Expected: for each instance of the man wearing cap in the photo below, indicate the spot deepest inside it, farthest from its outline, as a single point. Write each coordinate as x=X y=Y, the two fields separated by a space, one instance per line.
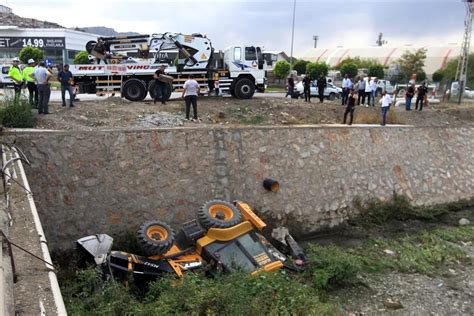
x=15 y=74
x=30 y=83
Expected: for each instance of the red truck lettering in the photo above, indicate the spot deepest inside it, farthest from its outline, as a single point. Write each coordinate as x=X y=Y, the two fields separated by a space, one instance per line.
x=135 y=67
x=91 y=67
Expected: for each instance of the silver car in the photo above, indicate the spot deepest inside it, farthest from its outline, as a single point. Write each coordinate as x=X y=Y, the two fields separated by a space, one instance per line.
x=331 y=91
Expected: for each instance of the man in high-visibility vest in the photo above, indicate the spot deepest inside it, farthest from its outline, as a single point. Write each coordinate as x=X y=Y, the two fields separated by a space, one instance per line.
x=30 y=83
x=15 y=74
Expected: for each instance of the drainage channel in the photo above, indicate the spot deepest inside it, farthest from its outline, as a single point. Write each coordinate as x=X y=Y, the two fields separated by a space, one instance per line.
x=29 y=282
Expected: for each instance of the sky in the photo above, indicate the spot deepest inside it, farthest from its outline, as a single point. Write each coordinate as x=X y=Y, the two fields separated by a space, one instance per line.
x=267 y=23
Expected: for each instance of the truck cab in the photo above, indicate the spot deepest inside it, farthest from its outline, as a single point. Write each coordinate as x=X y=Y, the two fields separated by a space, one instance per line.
x=246 y=64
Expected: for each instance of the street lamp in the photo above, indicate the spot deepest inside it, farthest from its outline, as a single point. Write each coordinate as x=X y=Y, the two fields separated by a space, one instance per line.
x=292 y=35
x=315 y=39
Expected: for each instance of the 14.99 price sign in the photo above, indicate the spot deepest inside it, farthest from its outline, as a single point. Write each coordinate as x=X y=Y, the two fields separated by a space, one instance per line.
x=39 y=42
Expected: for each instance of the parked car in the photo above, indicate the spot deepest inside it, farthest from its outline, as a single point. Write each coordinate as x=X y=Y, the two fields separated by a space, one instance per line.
x=5 y=80
x=331 y=92
x=468 y=93
x=399 y=99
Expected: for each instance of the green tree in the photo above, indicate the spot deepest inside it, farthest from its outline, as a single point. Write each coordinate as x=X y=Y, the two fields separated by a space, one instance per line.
x=438 y=75
x=361 y=63
x=420 y=76
x=315 y=69
x=300 y=66
x=29 y=52
x=81 y=58
x=349 y=69
x=282 y=69
x=412 y=63
x=376 y=70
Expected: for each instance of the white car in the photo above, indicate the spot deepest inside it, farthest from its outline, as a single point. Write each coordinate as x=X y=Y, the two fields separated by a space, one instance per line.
x=331 y=92
x=5 y=80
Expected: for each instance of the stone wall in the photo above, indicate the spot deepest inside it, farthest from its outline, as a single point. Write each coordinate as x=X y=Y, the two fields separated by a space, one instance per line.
x=111 y=181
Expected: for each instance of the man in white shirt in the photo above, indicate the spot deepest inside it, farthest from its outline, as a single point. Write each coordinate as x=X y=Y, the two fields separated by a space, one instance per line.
x=345 y=89
x=190 y=92
x=42 y=77
x=386 y=101
x=373 y=88
x=368 y=91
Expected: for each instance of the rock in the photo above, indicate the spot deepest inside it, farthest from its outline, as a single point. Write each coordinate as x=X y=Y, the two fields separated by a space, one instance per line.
x=464 y=222
x=389 y=252
x=389 y=303
x=221 y=115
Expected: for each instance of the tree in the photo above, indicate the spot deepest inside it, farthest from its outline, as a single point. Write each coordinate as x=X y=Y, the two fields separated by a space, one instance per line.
x=376 y=70
x=438 y=75
x=29 y=52
x=282 y=69
x=300 y=66
x=361 y=63
x=315 y=69
x=81 y=58
x=412 y=63
x=349 y=69
x=420 y=76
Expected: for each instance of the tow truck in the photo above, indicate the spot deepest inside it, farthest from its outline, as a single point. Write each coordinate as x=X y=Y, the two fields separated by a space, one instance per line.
x=225 y=237
x=126 y=65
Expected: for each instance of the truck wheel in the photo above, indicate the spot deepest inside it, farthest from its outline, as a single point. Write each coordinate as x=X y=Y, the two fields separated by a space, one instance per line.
x=151 y=90
x=244 y=88
x=218 y=214
x=134 y=90
x=155 y=238
x=332 y=96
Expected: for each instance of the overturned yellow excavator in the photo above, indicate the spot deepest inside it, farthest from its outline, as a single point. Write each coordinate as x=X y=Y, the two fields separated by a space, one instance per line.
x=225 y=237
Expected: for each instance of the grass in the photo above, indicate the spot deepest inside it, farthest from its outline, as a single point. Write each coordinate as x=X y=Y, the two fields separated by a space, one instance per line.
x=16 y=113
x=254 y=120
x=364 y=116
x=275 y=89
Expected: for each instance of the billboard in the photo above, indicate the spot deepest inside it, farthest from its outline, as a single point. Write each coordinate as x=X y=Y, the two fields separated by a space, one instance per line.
x=39 y=42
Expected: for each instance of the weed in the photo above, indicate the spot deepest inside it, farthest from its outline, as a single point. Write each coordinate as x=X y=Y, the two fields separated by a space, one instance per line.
x=374 y=116
x=17 y=113
x=254 y=120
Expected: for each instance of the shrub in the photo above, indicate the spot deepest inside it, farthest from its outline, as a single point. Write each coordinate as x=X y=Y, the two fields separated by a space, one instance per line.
x=17 y=114
x=438 y=75
x=300 y=66
x=376 y=70
x=81 y=58
x=315 y=69
x=282 y=69
x=30 y=52
x=349 y=69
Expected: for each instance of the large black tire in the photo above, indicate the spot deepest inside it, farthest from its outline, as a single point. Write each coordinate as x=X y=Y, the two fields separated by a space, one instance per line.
x=244 y=88
x=90 y=45
x=332 y=96
x=151 y=90
x=155 y=238
x=134 y=90
x=208 y=215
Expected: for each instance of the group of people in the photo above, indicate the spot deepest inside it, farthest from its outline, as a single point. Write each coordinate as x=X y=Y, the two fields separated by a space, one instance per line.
x=321 y=84
x=421 y=95
x=366 y=88
x=351 y=104
x=37 y=78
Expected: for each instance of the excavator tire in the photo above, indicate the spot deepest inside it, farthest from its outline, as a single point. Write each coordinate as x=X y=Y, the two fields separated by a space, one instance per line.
x=244 y=88
x=218 y=214
x=155 y=238
x=151 y=90
x=134 y=89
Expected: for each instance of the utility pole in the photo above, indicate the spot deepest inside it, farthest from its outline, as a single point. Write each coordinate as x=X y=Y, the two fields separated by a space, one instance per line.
x=315 y=39
x=461 y=71
x=292 y=36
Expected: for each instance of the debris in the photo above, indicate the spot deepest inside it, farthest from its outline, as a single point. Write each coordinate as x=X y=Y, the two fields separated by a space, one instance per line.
x=159 y=119
x=464 y=222
x=389 y=303
x=389 y=252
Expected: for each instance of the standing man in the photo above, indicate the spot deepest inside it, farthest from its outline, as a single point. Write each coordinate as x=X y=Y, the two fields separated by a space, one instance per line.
x=368 y=91
x=160 y=86
x=373 y=89
x=190 y=93
x=361 y=91
x=15 y=73
x=386 y=101
x=321 y=86
x=30 y=83
x=420 y=98
x=42 y=77
x=350 y=107
x=64 y=77
x=290 y=88
x=345 y=89
x=409 y=94
x=307 y=87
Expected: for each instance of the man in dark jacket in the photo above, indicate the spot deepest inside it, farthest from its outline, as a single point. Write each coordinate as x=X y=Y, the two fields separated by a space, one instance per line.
x=160 y=86
x=422 y=90
x=321 y=86
x=307 y=87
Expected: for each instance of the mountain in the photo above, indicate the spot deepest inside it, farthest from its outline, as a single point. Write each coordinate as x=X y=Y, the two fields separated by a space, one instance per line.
x=8 y=18
x=105 y=31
